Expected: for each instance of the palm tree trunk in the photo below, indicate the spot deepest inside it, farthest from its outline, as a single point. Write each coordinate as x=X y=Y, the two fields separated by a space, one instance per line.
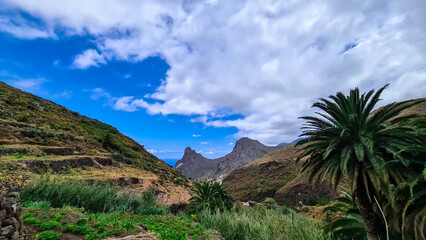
x=372 y=222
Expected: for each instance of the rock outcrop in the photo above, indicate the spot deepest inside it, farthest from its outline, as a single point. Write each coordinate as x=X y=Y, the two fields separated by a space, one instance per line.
x=10 y=217
x=197 y=167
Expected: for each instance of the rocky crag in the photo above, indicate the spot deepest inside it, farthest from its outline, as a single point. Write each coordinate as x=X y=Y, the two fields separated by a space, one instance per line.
x=195 y=166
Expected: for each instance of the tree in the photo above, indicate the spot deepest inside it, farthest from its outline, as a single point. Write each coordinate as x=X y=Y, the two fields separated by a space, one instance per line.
x=350 y=139
x=212 y=196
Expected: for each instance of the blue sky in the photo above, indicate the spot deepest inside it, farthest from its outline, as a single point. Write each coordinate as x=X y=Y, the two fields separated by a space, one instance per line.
x=42 y=67
x=204 y=73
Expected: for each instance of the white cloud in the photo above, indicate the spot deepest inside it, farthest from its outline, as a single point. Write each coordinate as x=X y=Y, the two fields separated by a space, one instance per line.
x=33 y=85
x=266 y=61
x=89 y=58
x=231 y=143
x=153 y=151
x=64 y=94
x=28 y=84
x=204 y=143
x=19 y=28
x=209 y=153
x=195 y=135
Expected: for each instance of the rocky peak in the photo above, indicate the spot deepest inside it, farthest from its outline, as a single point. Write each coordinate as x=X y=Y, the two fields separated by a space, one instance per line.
x=189 y=150
x=195 y=166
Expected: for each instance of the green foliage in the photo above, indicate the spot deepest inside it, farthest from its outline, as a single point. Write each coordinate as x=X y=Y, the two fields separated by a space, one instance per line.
x=345 y=222
x=121 y=158
x=52 y=224
x=40 y=205
x=48 y=236
x=82 y=221
x=212 y=196
x=78 y=229
x=172 y=227
x=95 y=130
x=31 y=220
x=94 y=198
x=57 y=216
x=350 y=140
x=406 y=207
x=18 y=155
x=261 y=223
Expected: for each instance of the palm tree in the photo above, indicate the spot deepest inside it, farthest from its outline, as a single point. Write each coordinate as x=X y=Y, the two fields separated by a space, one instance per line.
x=212 y=196
x=349 y=139
x=346 y=222
x=405 y=205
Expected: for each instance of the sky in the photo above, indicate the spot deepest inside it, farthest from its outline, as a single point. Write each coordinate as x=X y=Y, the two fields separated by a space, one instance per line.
x=172 y=74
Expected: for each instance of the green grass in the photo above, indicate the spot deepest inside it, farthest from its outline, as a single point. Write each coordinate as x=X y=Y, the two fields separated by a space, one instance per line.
x=102 y=225
x=93 y=198
x=262 y=223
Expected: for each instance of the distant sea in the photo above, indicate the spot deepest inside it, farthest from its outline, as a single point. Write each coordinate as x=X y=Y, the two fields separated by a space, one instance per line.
x=171 y=162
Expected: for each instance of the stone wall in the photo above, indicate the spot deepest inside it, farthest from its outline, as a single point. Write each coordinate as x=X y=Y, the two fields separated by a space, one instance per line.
x=10 y=217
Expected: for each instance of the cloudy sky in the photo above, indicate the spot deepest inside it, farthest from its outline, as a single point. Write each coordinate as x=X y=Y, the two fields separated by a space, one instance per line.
x=172 y=74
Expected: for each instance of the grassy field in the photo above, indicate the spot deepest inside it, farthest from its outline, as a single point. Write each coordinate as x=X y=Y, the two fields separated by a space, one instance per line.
x=59 y=208
x=263 y=223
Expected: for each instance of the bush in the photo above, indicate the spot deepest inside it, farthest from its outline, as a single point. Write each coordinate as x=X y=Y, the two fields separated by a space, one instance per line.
x=93 y=198
x=82 y=221
x=52 y=224
x=78 y=229
x=212 y=196
x=48 y=236
x=31 y=220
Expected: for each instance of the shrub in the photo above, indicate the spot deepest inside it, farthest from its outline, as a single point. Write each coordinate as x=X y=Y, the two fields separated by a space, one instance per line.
x=48 y=236
x=31 y=220
x=82 y=221
x=78 y=229
x=52 y=224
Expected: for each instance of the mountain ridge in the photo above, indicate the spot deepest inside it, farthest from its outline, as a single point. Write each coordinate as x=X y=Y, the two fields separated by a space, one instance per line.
x=195 y=166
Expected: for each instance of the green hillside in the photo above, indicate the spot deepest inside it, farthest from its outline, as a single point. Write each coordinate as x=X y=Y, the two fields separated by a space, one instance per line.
x=34 y=131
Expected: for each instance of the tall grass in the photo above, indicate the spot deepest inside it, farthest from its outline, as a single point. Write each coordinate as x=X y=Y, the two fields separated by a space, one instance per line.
x=93 y=198
x=261 y=223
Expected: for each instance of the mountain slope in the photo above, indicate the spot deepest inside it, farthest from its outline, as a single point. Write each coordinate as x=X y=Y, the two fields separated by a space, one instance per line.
x=196 y=167
x=35 y=131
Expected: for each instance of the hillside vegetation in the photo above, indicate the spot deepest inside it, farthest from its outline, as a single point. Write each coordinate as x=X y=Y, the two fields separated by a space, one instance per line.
x=38 y=136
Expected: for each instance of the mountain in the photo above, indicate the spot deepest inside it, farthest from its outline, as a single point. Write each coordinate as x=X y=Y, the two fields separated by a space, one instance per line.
x=38 y=136
x=197 y=167
x=278 y=175
x=294 y=141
